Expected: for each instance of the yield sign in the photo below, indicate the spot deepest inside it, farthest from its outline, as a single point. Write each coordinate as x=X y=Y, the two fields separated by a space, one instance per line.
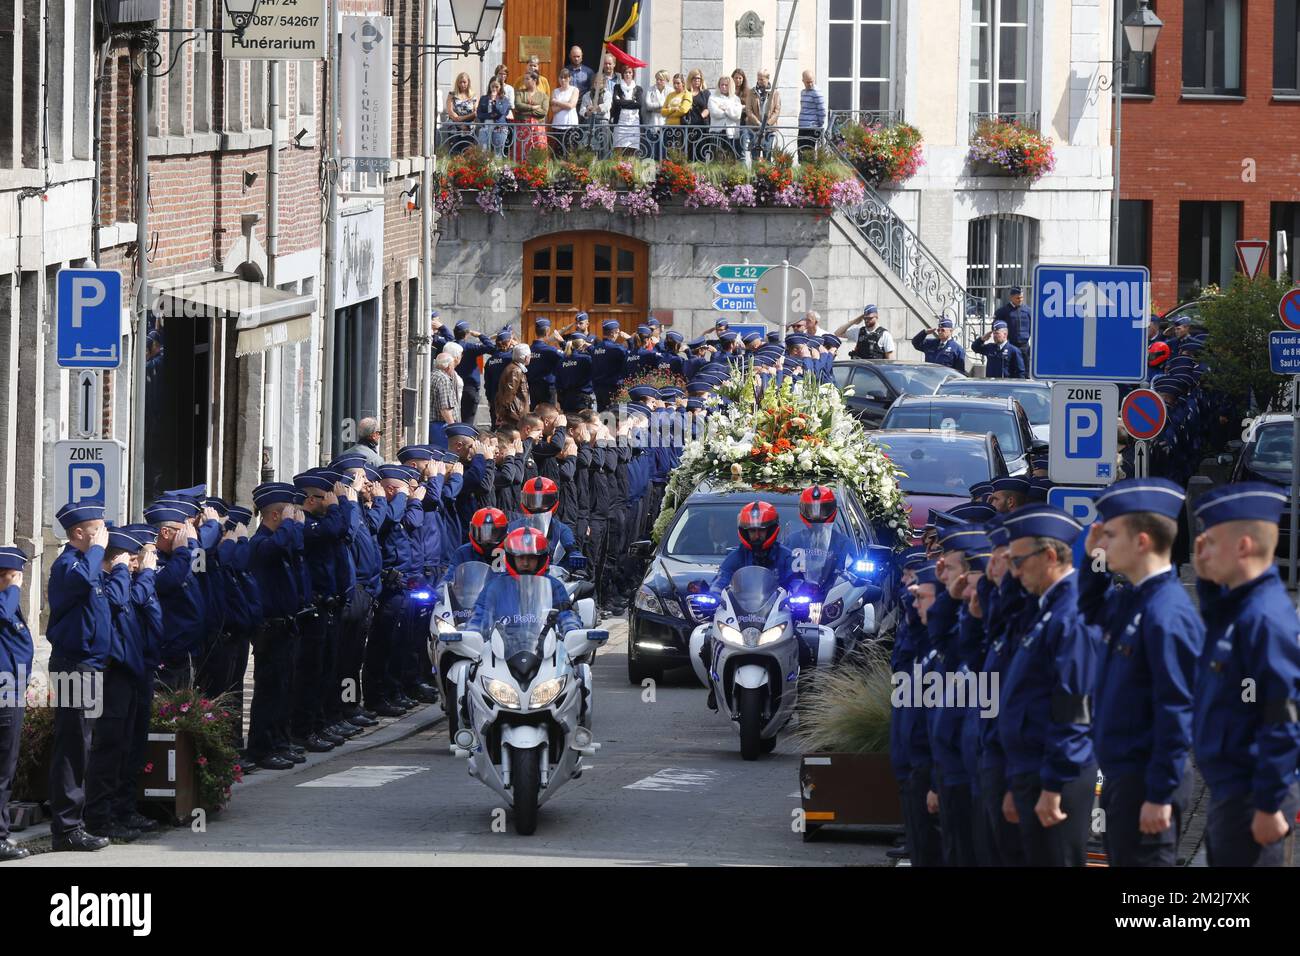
x=1251 y=254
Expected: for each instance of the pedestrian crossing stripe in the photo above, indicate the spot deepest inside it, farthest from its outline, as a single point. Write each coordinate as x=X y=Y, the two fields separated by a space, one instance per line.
x=375 y=776
x=673 y=780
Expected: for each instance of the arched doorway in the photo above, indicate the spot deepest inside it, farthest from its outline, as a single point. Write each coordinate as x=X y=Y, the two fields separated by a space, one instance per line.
x=604 y=274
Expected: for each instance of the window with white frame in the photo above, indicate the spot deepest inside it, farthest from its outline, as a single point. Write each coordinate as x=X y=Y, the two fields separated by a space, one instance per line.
x=860 y=58
x=1000 y=253
x=999 y=56
x=306 y=96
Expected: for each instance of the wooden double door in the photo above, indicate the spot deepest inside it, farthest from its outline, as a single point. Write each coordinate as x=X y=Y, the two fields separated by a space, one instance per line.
x=604 y=274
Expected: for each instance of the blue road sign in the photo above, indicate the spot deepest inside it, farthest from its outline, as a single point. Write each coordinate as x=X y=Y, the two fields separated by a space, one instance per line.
x=726 y=303
x=1284 y=352
x=729 y=287
x=1080 y=503
x=89 y=323
x=1084 y=438
x=1090 y=322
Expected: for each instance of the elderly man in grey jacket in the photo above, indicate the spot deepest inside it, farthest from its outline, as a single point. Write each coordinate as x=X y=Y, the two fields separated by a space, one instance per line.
x=368 y=437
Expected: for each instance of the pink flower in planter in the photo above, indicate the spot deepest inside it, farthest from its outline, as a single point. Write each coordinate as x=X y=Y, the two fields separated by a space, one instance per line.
x=185 y=708
x=209 y=716
x=203 y=761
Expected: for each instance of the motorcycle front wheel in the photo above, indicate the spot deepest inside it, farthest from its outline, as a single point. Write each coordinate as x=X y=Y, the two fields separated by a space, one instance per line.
x=525 y=784
x=750 y=704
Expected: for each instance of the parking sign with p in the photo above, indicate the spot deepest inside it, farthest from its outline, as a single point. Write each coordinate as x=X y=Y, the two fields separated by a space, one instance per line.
x=89 y=471
x=88 y=303
x=1085 y=451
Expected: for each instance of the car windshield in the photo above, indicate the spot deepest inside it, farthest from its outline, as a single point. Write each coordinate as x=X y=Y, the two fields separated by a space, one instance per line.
x=919 y=379
x=1271 y=448
x=937 y=464
x=707 y=528
x=964 y=418
x=1037 y=402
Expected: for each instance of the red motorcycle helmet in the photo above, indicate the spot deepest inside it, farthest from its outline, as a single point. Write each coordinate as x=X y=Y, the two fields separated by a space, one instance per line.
x=526 y=552
x=487 y=529
x=1158 y=354
x=758 y=525
x=817 y=505
x=540 y=495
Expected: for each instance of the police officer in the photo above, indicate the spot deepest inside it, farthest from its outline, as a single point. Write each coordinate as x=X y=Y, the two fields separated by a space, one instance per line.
x=79 y=632
x=1018 y=320
x=1004 y=359
x=16 y=653
x=1151 y=638
x=477 y=472
x=1044 y=717
x=365 y=519
x=539 y=499
x=939 y=347
x=872 y=340
x=573 y=379
x=403 y=518
x=487 y=531
x=700 y=355
x=672 y=351
x=467 y=368
x=1247 y=696
x=494 y=367
x=608 y=361
x=1009 y=494
x=148 y=613
x=543 y=365
x=179 y=591
x=920 y=814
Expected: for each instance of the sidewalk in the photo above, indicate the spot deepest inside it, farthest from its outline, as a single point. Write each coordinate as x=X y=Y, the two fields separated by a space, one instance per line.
x=387 y=731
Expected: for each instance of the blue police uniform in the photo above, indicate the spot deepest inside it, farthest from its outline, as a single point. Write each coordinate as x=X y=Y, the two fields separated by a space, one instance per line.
x=925 y=841
x=573 y=382
x=608 y=361
x=1004 y=361
x=16 y=654
x=778 y=557
x=541 y=372
x=947 y=353
x=470 y=375
x=1247 y=744
x=1018 y=322
x=500 y=598
x=465 y=554
x=1044 y=719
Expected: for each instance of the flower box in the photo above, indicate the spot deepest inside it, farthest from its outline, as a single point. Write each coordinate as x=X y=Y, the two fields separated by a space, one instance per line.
x=849 y=790
x=170 y=776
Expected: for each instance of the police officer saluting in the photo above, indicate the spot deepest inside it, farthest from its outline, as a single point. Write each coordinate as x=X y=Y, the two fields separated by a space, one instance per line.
x=1044 y=720
x=873 y=340
x=939 y=347
x=79 y=630
x=1017 y=318
x=1246 y=730
x=1151 y=638
x=1004 y=359
x=16 y=654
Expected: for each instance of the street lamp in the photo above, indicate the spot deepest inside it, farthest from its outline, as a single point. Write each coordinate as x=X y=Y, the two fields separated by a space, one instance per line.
x=1142 y=27
x=465 y=18
x=487 y=25
x=241 y=13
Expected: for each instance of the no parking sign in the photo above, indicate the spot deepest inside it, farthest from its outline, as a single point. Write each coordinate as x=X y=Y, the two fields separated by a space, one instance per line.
x=1144 y=414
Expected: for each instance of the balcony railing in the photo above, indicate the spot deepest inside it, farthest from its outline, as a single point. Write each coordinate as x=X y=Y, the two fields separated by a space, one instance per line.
x=1027 y=120
x=837 y=119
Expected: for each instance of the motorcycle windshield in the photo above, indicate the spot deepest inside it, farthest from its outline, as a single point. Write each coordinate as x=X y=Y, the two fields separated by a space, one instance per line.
x=753 y=590
x=538 y=522
x=468 y=581
x=812 y=551
x=520 y=612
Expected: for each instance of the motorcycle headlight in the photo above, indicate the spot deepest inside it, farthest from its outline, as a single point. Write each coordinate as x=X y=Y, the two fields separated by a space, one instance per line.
x=445 y=626
x=545 y=692
x=702 y=606
x=503 y=694
x=731 y=635
x=647 y=600
x=832 y=611
x=771 y=635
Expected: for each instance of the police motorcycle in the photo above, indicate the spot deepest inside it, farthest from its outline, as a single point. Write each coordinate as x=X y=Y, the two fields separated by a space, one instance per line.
x=449 y=652
x=755 y=647
x=525 y=698
x=580 y=591
x=843 y=598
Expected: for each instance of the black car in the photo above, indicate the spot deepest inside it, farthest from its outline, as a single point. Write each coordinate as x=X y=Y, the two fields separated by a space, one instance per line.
x=1004 y=417
x=1266 y=456
x=877 y=383
x=692 y=549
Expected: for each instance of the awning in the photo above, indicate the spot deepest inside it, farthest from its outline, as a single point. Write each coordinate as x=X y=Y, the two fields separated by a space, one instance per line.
x=264 y=317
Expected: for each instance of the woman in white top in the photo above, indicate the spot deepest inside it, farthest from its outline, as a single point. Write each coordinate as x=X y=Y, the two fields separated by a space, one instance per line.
x=625 y=113
x=564 y=111
x=724 y=113
x=654 y=116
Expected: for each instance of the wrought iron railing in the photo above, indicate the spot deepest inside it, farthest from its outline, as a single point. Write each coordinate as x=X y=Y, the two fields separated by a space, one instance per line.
x=1027 y=120
x=902 y=250
x=837 y=119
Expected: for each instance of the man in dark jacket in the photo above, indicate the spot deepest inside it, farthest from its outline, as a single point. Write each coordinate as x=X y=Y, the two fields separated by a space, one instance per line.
x=512 y=402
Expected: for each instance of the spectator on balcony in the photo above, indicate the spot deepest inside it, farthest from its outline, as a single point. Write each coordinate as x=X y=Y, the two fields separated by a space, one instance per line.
x=698 y=115
x=724 y=114
x=625 y=113
x=580 y=75
x=762 y=115
x=812 y=114
x=594 y=113
x=461 y=108
x=564 y=110
x=535 y=67
x=493 y=115
x=677 y=103
x=652 y=116
x=530 y=110
x=608 y=74
x=740 y=90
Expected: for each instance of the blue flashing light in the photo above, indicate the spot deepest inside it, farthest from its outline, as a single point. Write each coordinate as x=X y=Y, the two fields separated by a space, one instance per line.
x=801 y=599
x=421 y=595
x=864 y=566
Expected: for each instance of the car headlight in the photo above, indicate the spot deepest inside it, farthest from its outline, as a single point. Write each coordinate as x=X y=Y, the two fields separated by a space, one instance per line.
x=731 y=635
x=545 y=692
x=832 y=611
x=771 y=635
x=503 y=694
x=647 y=600
x=445 y=626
